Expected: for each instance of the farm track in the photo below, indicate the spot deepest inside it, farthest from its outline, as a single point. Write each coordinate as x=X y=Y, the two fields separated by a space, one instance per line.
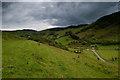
x=98 y=56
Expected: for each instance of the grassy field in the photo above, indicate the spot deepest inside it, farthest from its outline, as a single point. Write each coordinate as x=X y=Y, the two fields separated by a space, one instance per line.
x=107 y=52
x=25 y=58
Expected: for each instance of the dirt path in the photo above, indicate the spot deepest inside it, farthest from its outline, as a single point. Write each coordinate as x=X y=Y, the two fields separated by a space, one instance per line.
x=98 y=56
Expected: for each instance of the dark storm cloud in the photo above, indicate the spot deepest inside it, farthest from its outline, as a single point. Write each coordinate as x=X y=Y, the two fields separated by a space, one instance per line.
x=49 y=14
x=6 y=4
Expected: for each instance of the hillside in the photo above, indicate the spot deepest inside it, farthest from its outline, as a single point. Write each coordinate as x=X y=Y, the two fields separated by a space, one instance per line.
x=28 y=59
x=105 y=28
x=104 y=31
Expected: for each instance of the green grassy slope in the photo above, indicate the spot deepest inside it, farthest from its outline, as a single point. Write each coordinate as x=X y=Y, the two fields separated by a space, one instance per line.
x=104 y=30
x=25 y=58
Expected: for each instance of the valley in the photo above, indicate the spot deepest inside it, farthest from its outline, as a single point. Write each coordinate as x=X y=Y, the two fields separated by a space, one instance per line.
x=68 y=52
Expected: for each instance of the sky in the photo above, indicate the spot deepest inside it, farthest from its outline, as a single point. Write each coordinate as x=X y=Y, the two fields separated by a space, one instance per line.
x=44 y=15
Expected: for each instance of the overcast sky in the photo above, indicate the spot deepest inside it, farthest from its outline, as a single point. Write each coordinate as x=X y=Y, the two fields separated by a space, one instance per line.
x=44 y=15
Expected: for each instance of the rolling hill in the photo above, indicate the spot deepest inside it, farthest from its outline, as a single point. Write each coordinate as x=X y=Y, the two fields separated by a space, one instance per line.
x=26 y=59
x=50 y=53
x=104 y=31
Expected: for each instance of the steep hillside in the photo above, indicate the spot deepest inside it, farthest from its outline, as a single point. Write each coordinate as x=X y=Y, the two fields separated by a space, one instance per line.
x=29 y=59
x=104 y=28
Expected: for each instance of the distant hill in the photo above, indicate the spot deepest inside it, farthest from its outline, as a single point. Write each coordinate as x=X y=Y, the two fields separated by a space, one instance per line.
x=68 y=27
x=104 y=31
x=105 y=28
x=7 y=36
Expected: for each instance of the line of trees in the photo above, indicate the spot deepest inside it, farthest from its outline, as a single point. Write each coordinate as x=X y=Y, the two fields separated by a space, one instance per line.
x=73 y=36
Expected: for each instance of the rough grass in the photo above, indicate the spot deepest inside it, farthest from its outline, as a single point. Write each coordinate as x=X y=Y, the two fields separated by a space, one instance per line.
x=26 y=59
x=90 y=54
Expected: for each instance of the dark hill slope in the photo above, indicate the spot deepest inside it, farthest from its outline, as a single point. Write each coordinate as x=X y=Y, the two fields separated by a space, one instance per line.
x=105 y=28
